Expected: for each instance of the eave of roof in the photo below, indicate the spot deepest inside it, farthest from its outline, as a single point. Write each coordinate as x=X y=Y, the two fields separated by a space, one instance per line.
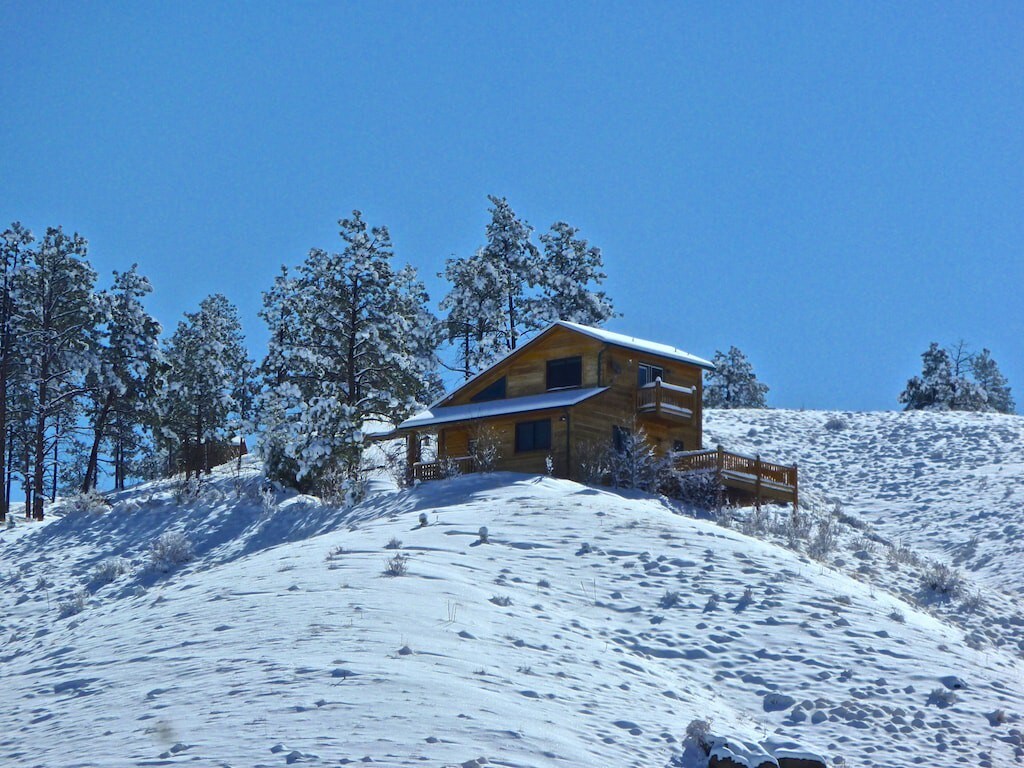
x=470 y=411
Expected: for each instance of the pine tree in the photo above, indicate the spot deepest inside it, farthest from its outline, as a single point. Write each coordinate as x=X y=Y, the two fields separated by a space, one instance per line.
x=209 y=386
x=474 y=319
x=351 y=341
x=513 y=259
x=933 y=389
x=568 y=276
x=14 y=245
x=733 y=384
x=991 y=380
x=123 y=388
x=57 y=321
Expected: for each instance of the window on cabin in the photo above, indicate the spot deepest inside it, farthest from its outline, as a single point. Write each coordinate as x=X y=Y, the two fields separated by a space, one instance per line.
x=533 y=435
x=677 y=446
x=493 y=391
x=565 y=373
x=648 y=373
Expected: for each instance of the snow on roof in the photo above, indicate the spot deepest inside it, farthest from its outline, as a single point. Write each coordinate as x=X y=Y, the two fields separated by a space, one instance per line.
x=448 y=414
x=630 y=342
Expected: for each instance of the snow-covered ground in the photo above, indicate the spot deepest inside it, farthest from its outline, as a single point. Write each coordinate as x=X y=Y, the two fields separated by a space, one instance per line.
x=588 y=630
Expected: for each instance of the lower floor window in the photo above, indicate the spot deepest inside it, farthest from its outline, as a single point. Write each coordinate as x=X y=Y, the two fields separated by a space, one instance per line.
x=533 y=435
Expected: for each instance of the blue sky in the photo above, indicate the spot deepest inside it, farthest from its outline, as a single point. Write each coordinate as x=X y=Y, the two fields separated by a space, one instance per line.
x=827 y=186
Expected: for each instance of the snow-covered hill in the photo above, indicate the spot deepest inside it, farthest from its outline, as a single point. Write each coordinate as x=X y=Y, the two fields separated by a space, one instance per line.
x=948 y=484
x=588 y=630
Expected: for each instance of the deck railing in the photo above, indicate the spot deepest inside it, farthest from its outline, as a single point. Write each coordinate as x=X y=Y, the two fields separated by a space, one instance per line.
x=445 y=467
x=663 y=399
x=765 y=479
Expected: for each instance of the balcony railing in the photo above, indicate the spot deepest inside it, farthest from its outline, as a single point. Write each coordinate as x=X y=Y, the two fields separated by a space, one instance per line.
x=666 y=400
x=445 y=467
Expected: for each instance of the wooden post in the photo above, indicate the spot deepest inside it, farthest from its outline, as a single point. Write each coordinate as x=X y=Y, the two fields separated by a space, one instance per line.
x=796 y=487
x=719 y=461
x=657 y=396
x=757 y=482
x=412 y=455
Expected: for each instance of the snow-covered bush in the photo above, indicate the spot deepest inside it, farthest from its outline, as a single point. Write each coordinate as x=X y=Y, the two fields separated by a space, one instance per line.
x=91 y=502
x=485 y=447
x=503 y=601
x=824 y=540
x=187 y=488
x=393 y=544
x=669 y=600
x=268 y=498
x=633 y=462
x=942 y=698
x=171 y=548
x=835 y=424
x=592 y=460
x=482 y=533
x=699 y=488
x=397 y=565
x=943 y=580
x=109 y=570
x=341 y=488
x=698 y=733
x=73 y=605
x=450 y=468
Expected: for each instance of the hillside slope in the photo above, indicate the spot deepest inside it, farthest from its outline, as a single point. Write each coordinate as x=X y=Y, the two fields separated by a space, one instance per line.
x=948 y=484
x=588 y=630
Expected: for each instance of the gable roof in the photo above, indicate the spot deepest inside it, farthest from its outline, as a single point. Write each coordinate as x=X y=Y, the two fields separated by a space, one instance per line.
x=503 y=407
x=617 y=339
x=640 y=345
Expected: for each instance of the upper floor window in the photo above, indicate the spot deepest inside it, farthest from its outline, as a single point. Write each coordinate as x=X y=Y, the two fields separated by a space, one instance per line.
x=648 y=373
x=493 y=391
x=564 y=373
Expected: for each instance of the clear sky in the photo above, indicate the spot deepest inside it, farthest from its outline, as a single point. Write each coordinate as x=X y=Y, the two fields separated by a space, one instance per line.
x=827 y=186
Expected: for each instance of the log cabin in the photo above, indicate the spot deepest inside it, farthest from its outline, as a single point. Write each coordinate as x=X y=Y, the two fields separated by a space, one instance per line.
x=567 y=389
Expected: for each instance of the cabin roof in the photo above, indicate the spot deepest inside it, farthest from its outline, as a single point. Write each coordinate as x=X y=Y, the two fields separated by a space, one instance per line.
x=447 y=414
x=618 y=339
x=640 y=345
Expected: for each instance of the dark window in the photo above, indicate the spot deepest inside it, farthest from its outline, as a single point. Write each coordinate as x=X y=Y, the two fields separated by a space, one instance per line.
x=678 y=446
x=648 y=373
x=620 y=438
x=564 y=373
x=493 y=391
x=533 y=435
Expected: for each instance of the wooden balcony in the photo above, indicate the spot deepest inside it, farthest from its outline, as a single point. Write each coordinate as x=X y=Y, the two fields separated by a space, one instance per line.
x=445 y=467
x=750 y=475
x=666 y=401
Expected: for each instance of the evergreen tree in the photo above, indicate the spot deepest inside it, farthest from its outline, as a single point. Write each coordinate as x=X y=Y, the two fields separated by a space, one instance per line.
x=733 y=384
x=123 y=388
x=56 y=320
x=568 y=276
x=209 y=385
x=14 y=248
x=513 y=260
x=954 y=380
x=351 y=341
x=474 y=312
x=991 y=380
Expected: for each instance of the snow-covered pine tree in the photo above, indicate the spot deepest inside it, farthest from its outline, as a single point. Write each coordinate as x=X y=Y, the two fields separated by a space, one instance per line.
x=351 y=341
x=569 y=276
x=474 y=316
x=733 y=384
x=966 y=394
x=510 y=262
x=933 y=389
x=988 y=376
x=123 y=388
x=57 y=322
x=14 y=247
x=632 y=460
x=207 y=395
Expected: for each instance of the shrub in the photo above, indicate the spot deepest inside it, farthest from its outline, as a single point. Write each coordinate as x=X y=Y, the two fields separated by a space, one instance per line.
x=170 y=549
x=503 y=600
x=450 y=468
x=92 y=502
x=669 y=600
x=75 y=604
x=397 y=565
x=824 y=540
x=109 y=570
x=942 y=698
x=335 y=553
x=699 y=488
x=897 y=615
x=698 y=733
x=592 y=459
x=393 y=544
x=485 y=448
x=835 y=424
x=342 y=488
x=943 y=580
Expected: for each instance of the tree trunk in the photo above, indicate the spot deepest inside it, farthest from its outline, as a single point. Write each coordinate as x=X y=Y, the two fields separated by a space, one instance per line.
x=39 y=468
x=8 y=477
x=27 y=481
x=5 y=497
x=92 y=469
x=56 y=457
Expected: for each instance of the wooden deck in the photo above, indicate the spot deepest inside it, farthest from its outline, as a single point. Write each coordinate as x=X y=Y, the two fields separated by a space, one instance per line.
x=747 y=474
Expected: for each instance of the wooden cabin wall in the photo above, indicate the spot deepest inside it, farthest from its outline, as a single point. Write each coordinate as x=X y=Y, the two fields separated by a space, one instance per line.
x=533 y=462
